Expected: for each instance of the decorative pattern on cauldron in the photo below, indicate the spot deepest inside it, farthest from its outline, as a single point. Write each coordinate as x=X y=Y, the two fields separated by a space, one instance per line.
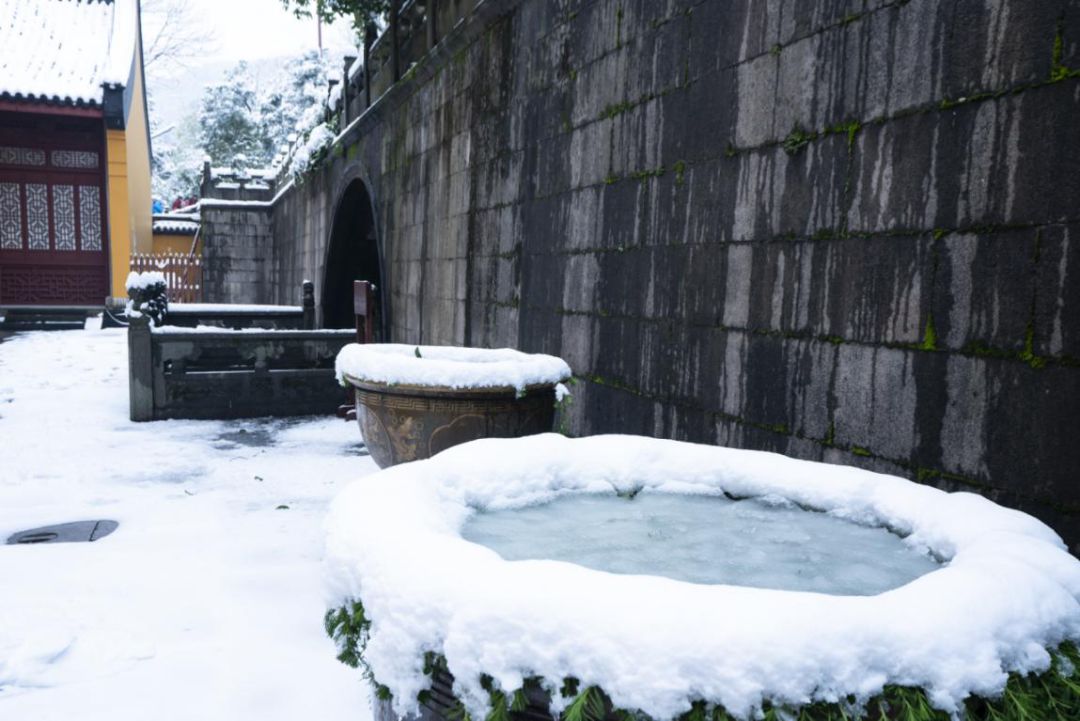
x=413 y=402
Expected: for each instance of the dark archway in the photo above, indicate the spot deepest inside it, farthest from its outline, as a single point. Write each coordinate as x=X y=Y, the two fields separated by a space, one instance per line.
x=353 y=254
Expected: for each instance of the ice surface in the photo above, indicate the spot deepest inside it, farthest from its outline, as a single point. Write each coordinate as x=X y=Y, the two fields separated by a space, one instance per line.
x=705 y=539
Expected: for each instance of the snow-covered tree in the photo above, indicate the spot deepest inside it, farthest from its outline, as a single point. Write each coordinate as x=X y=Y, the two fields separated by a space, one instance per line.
x=243 y=124
x=294 y=103
x=177 y=162
x=230 y=124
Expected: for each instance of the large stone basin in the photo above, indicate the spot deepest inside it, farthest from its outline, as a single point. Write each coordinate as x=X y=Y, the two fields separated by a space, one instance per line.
x=414 y=401
x=402 y=423
x=627 y=577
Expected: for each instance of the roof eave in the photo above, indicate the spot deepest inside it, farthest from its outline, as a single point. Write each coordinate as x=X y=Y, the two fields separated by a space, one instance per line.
x=44 y=105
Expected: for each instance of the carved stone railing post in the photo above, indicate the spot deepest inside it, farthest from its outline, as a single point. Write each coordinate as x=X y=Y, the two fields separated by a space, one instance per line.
x=370 y=34
x=309 y=305
x=432 y=23
x=345 y=90
x=395 y=51
x=140 y=370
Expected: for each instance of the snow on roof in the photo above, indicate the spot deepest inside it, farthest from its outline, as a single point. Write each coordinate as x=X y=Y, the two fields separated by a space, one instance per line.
x=176 y=223
x=176 y=227
x=65 y=50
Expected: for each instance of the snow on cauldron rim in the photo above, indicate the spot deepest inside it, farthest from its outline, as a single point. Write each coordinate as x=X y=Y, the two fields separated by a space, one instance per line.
x=1008 y=590
x=448 y=366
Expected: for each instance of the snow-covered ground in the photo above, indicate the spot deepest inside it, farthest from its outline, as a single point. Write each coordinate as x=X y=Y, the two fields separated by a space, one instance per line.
x=207 y=602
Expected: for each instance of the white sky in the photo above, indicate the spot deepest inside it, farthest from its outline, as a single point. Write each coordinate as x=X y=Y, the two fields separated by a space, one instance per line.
x=252 y=30
x=255 y=29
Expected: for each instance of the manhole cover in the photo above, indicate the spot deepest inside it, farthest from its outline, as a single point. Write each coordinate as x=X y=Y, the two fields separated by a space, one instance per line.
x=257 y=438
x=79 y=531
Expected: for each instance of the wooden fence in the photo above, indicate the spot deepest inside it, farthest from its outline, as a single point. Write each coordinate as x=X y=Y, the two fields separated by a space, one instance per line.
x=183 y=273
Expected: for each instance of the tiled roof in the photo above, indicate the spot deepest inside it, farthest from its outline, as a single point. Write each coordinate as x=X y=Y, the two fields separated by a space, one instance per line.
x=175 y=224
x=65 y=50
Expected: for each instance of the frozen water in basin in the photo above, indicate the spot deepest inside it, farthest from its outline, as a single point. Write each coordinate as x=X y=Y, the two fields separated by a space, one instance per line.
x=705 y=539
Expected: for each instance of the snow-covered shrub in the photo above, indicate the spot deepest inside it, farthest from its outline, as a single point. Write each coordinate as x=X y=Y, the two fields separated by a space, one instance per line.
x=147 y=295
x=312 y=150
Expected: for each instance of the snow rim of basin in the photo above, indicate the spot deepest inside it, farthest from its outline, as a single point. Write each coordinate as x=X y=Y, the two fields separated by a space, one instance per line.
x=448 y=366
x=1007 y=592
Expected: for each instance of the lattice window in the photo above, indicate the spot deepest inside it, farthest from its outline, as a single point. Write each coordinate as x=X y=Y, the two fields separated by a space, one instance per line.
x=64 y=216
x=37 y=216
x=74 y=159
x=10 y=217
x=51 y=285
x=90 y=217
x=21 y=156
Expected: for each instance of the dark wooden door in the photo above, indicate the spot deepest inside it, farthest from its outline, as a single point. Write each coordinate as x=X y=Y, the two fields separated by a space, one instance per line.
x=53 y=234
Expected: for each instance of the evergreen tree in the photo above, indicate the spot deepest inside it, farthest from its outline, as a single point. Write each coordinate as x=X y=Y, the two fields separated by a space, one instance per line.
x=240 y=126
x=230 y=125
x=293 y=104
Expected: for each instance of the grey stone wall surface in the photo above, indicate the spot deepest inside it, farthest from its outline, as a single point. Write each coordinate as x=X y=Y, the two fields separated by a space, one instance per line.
x=843 y=230
x=237 y=246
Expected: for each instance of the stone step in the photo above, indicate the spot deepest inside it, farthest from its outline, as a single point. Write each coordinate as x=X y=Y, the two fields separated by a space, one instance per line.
x=43 y=319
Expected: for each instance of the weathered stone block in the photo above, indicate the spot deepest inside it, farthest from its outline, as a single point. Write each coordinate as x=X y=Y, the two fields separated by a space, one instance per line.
x=876 y=399
x=579 y=215
x=724 y=33
x=799 y=19
x=580 y=277
x=617 y=410
x=985 y=290
x=552 y=173
x=542 y=280
x=783 y=193
x=755 y=95
x=871 y=290
x=1056 y=321
x=590 y=154
x=981 y=53
x=963 y=166
x=629 y=151
x=598 y=86
x=709 y=117
x=989 y=431
x=578 y=347
x=739 y=268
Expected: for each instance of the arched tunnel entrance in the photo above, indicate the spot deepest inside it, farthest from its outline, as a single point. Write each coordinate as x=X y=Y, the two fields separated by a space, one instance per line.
x=353 y=254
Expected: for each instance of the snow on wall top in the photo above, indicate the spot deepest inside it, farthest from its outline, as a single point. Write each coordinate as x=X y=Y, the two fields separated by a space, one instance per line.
x=176 y=227
x=65 y=50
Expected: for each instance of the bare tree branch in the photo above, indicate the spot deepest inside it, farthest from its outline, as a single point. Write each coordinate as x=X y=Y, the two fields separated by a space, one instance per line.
x=171 y=35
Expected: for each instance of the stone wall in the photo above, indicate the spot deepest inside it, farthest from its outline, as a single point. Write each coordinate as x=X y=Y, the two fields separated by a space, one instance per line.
x=237 y=247
x=844 y=230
